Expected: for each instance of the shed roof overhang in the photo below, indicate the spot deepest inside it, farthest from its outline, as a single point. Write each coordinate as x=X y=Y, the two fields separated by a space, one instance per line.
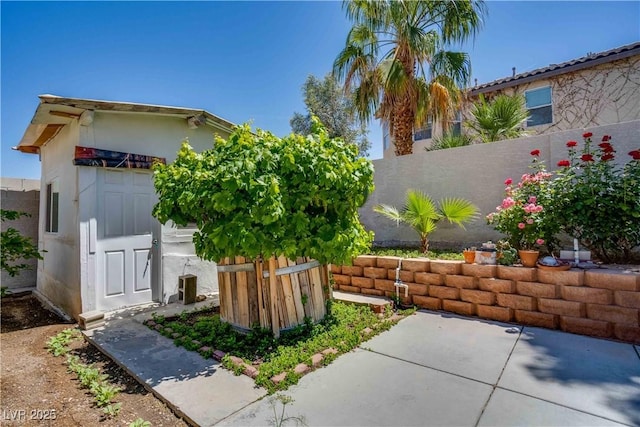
x=55 y=112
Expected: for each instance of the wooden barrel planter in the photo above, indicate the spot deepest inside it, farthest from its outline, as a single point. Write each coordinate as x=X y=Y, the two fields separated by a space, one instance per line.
x=251 y=294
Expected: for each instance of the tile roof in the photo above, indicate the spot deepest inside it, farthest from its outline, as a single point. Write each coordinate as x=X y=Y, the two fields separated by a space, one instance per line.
x=555 y=69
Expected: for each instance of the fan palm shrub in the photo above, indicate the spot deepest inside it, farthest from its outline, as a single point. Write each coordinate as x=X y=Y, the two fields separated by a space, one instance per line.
x=396 y=61
x=422 y=214
x=500 y=118
x=449 y=140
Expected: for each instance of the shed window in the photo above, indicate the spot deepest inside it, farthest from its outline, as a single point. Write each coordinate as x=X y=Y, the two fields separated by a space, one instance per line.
x=53 y=197
x=539 y=106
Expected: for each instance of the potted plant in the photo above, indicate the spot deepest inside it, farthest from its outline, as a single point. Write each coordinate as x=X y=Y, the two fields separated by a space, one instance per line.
x=506 y=254
x=522 y=216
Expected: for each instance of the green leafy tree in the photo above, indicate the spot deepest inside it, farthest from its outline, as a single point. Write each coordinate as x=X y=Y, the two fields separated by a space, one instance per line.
x=423 y=215
x=500 y=118
x=16 y=249
x=255 y=194
x=326 y=100
x=397 y=64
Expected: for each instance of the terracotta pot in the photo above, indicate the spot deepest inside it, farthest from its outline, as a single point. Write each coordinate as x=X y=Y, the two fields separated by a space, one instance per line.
x=469 y=256
x=528 y=258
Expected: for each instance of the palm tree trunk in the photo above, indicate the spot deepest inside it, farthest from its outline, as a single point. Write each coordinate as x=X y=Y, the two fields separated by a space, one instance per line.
x=424 y=243
x=403 y=127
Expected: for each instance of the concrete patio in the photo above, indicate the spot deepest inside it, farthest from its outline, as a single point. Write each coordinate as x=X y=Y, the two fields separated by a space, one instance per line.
x=433 y=368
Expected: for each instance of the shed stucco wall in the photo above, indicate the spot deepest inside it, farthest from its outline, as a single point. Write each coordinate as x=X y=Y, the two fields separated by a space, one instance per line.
x=59 y=272
x=158 y=136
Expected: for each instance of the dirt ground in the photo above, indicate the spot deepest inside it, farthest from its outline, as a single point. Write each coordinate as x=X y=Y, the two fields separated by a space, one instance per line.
x=37 y=389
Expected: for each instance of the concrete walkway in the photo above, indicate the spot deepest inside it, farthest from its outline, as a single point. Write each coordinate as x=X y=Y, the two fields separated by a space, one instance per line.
x=432 y=368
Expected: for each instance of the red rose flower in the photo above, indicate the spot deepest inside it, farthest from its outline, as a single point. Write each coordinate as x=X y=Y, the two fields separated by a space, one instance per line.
x=606 y=138
x=508 y=181
x=564 y=164
x=587 y=158
x=607 y=157
x=604 y=145
x=635 y=154
x=571 y=144
x=587 y=135
x=535 y=153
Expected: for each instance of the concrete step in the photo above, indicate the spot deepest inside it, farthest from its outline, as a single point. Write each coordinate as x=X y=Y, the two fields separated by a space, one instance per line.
x=377 y=304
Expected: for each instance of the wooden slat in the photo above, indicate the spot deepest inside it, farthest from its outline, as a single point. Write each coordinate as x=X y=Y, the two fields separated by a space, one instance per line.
x=254 y=300
x=261 y=302
x=316 y=290
x=243 y=295
x=234 y=294
x=297 y=295
x=287 y=291
x=326 y=284
x=273 y=292
x=305 y=289
x=228 y=298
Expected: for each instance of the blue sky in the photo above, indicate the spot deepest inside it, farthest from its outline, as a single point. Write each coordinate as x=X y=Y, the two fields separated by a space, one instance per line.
x=245 y=60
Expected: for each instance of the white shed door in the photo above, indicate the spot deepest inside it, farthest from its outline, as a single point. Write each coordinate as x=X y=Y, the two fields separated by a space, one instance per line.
x=125 y=249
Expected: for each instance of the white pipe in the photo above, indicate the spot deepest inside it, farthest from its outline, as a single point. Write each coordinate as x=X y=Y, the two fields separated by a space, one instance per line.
x=398 y=283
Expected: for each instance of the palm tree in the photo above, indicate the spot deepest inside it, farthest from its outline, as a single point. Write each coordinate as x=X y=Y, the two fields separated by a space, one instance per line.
x=396 y=63
x=501 y=118
x=421 y=213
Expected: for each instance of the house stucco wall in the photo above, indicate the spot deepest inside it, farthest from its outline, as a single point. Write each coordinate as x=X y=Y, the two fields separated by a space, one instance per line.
x=59 y=272
x=604 y=94
x=158 y=136
x=21 y=195
x=475 y=172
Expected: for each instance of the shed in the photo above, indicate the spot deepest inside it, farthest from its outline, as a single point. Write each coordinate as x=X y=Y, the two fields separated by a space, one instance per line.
x=104 y=249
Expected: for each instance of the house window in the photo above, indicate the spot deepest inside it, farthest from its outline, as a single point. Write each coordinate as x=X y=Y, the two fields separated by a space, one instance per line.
x=539 y=106
x=53 y=197
x=423 y=132
x=386 y=138
x=456 y=124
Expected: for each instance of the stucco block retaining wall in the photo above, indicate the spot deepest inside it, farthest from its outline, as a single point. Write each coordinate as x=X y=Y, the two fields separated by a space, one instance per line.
x=602 y=303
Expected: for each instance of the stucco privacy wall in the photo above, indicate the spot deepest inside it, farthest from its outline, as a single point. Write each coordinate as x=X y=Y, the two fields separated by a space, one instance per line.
x=21 y=195
x=158 y=136
x=475 y=172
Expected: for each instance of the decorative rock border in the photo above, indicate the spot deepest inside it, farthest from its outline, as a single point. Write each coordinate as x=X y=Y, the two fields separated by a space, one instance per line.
x=601 y=302
x=249 y=370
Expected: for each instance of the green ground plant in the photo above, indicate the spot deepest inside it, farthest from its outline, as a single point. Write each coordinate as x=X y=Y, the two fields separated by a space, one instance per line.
x=281 y=419
x=341 y=330
x=139 y=422
x=57 y=345
x=89 y=376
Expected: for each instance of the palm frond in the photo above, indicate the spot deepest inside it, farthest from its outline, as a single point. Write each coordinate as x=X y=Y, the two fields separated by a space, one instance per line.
x=420 y=211
x=390 y=212
x=458 y=211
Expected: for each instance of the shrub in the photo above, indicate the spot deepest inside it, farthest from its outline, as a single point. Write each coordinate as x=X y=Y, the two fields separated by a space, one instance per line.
x=597 y=201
